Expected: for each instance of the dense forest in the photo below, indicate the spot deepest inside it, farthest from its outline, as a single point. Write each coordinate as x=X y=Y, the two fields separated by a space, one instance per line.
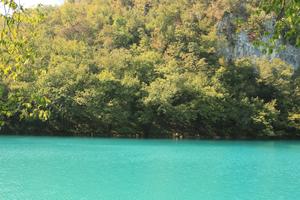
x=147 y=68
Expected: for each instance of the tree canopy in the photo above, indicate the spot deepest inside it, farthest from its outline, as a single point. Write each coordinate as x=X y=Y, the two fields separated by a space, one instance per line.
x=127 y=67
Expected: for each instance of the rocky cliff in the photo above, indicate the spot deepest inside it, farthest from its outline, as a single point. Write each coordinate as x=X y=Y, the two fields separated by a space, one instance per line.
x=239 y=44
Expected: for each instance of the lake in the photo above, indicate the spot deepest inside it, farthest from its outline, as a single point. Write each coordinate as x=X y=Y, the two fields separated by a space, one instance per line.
x=45 y=168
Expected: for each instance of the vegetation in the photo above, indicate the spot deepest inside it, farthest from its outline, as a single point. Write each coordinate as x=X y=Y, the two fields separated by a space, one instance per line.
x=126 y=67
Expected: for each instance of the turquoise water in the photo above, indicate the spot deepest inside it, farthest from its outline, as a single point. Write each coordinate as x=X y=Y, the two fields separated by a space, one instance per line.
x=42 y=168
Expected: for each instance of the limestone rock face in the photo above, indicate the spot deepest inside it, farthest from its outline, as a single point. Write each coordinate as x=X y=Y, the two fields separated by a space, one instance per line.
x=238 y=44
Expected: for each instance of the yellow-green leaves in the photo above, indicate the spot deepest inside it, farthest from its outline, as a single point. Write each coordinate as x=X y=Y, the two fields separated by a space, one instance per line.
x=117 y=67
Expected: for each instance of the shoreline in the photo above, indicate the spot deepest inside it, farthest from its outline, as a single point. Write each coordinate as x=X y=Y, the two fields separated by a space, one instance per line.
x=213 y=138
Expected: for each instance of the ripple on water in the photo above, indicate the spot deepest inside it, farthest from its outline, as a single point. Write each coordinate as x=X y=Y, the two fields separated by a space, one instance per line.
x=37 y=168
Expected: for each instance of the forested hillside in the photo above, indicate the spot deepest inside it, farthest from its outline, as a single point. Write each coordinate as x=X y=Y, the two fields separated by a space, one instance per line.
x=152 y=68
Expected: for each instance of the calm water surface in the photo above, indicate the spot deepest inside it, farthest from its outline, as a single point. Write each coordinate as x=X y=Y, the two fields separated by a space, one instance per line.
x=42 y=168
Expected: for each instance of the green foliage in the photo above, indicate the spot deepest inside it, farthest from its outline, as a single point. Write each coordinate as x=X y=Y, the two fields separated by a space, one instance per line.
x=116 y=67
x=287 y=16
x=17 y=101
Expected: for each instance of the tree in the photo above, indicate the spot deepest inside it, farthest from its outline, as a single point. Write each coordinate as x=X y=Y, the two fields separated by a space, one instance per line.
x=151 y=68
x=287 y=19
